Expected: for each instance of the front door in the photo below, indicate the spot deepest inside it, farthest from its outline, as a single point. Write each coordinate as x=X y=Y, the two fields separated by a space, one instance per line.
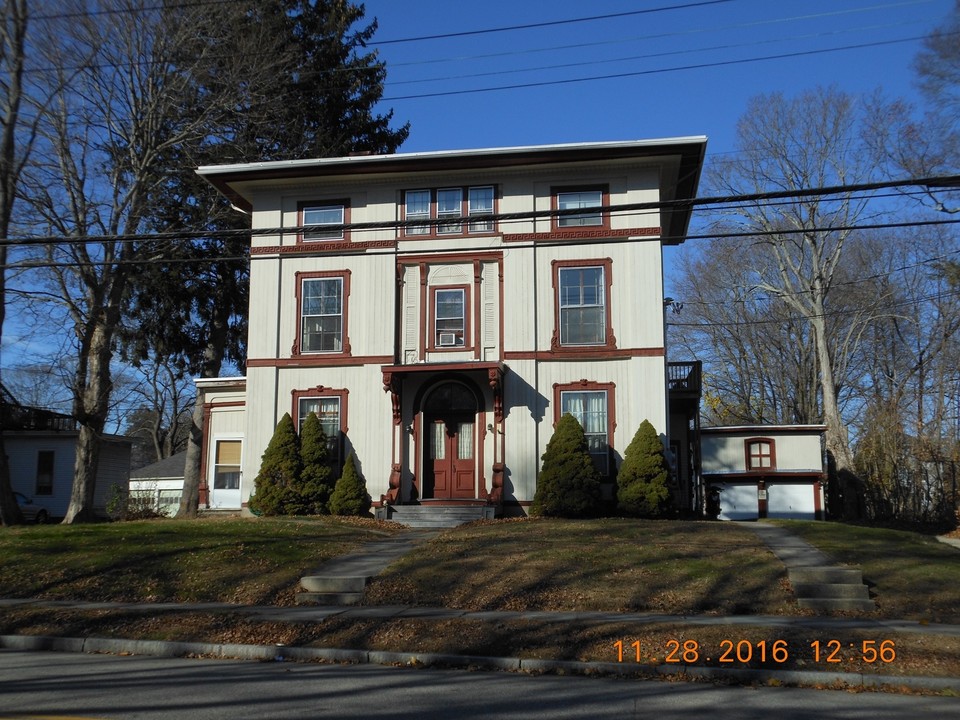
x=449 y=466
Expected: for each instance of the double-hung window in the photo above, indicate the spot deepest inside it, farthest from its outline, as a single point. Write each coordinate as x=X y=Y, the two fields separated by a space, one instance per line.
x=590 y=201
x=582 y=305
x=449 y=318
x=321 y=315
x=449 y=203
x=327 y=410
x=417 y=207
x=480 y=203
x=321 y=215
x=589 y=407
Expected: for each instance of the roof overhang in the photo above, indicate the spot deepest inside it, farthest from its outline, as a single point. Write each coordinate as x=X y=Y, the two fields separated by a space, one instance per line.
x=238 y=181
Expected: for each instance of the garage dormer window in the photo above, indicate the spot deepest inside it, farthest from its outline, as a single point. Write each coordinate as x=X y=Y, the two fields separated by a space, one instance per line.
x=761 y=455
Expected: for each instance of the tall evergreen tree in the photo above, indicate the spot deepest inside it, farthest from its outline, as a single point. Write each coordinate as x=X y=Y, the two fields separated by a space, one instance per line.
x=569 y=484
x=642 y=483
x=311 y=92
x=316 y=476
x=275 y=484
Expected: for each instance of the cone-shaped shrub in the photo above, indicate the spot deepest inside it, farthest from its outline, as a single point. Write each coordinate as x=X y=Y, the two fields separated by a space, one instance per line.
x=350 y=496
x=279 y=471
x=316 y=477
x=569 y=484
x=642 y=488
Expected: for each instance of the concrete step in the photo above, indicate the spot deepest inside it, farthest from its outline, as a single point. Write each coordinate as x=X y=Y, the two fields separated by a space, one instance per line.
x=832 y=591
x=334 y=584
x=825 y=575
x=438 y=516
x=329 y=598
x=829 y=604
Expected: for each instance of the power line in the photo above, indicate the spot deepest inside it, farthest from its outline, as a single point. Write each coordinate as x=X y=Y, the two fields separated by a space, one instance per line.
x=549 y=23
x=684 y=204
x=640 y=73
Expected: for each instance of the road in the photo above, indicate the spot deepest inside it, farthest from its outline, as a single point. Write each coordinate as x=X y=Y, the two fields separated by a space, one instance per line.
x=64 y=685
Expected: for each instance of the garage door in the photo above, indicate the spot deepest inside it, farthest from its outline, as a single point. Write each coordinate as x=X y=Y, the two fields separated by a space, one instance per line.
x=738 y=501
x=791 y=501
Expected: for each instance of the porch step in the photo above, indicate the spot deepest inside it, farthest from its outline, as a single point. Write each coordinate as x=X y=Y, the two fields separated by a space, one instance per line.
x=830 y=604
x=438 y=516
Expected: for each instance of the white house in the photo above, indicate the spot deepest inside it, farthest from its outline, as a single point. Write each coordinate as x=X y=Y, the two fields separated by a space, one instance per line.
x=41 y=449
x=440 y=311
x=765 y=471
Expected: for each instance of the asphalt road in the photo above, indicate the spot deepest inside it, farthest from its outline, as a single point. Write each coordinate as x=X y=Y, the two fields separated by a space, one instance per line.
x=68 y=685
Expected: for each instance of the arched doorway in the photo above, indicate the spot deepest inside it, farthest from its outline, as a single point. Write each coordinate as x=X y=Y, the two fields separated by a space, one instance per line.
x=449 y=452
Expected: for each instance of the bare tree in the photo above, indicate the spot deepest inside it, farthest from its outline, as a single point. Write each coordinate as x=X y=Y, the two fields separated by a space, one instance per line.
x=104 y=141
x=809 y=141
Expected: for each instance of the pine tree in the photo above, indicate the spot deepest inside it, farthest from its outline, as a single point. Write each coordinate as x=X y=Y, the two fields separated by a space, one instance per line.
x=316 y=477
x=350 y=496
x=642 y=481
x=279 y=471
x=569 y=484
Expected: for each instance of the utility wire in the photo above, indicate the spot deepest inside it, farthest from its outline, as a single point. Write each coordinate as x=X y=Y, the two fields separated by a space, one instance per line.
x=939 y=181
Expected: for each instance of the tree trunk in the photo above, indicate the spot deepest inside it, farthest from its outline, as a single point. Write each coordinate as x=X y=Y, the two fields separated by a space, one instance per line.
x=91 y=403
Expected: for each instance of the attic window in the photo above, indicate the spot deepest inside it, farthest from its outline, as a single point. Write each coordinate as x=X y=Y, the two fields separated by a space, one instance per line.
x=317 y=215
x=761 y=455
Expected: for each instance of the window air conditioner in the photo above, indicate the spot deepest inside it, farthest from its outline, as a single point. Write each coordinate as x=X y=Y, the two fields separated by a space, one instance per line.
x=447 y=339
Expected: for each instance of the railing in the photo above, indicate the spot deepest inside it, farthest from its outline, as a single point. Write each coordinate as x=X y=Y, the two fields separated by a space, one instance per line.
x=684 y=377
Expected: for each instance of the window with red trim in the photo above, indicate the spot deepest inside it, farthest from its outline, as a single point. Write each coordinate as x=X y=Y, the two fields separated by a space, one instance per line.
x=451 y=318
x=321 y=213
x=322 y=312
x=592 y=404
x=590 y=200
x=760 y=454
x=450 y=210
x=330 y=407
x=582 y=305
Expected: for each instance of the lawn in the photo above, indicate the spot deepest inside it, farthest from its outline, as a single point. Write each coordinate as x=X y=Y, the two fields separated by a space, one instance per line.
x=254 y=561
x=679 y=568
x=912 y=576
x=611 y=565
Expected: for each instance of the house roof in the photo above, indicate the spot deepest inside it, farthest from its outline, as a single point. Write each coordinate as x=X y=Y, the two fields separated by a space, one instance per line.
x=237 y=181
x=172 y=467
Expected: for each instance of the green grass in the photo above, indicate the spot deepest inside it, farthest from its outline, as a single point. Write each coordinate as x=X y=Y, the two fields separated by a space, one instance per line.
x=913 y=576
x=231 y=560
x=611 y=565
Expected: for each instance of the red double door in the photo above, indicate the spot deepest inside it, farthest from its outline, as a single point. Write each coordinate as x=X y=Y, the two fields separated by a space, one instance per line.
x=449 y=464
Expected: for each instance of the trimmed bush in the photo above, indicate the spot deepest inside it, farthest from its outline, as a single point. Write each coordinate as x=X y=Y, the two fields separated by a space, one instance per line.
x=350 y=496
x=642 y=483
x=279 y=471
x=569 y=484
x=316 y=477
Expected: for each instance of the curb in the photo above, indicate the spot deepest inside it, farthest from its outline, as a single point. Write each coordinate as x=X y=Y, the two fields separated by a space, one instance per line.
x=283 y=653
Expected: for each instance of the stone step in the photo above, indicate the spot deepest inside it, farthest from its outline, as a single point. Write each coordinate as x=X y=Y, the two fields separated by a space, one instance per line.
x=334 y=584
x=825 y=575
x=829 y=604
x=329 y=598
x=831 y=591
x=438 y=516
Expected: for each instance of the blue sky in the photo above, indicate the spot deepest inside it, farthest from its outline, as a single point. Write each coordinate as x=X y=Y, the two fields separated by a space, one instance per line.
x=656 y=99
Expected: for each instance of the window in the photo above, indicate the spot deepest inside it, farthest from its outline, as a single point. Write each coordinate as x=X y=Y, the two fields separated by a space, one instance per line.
x=226 y=471
x=326 y=212
x=580 y=199
x=448 y=206
x=168 y=501
x=321 y=315
x=327 y=410
x=582 y=300
x=761 y=455
x=417 y=207
x=450 y=315
x=589 y=407
x=45 y=460
x=449 y=202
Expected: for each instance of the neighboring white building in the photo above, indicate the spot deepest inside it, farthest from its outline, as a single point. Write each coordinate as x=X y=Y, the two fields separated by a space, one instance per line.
x=442 y=333
x=765 y=471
